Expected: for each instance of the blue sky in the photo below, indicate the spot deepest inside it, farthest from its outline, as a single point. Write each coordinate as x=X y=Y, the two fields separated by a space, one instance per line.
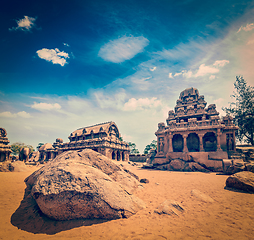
x=71 y=64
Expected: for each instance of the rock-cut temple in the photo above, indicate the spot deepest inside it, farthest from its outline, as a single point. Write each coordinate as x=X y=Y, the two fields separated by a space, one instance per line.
x=103 y=138
x=194 y=130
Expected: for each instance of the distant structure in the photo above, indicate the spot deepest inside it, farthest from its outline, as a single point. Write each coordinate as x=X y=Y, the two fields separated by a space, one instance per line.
x=5 y=148
x=103 y=138
x=192 y=129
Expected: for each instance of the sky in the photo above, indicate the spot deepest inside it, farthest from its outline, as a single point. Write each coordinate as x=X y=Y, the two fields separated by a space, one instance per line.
x=71 y=64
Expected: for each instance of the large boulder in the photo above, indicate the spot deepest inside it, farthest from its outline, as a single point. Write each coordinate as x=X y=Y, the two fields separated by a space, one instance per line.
x=242 y=181
x=84 y=184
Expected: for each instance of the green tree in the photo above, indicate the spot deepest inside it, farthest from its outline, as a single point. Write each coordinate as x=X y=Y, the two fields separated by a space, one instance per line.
x=152 y=145
x=242 y=110
x=17 y=146
x=133 y=148
x=39 y=145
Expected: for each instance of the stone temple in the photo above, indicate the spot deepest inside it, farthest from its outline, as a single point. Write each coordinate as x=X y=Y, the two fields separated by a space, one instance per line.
x=103 y=138
x=196 y=131
x=5 y=148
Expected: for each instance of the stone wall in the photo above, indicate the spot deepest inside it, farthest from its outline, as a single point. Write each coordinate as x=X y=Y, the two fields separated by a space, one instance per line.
x=138 y=158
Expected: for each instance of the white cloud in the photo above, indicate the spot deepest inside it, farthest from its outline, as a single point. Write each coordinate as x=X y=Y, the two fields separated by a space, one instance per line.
x=46 y=106
x=212 y=77
x=220 y=63
x=248 y=28
x=122 y=49
x=152 y=69
x=170 y=75
x=141 y=103
x=24 y=24
x=203 y=70
x=22 y=114
x=66 y=44
x=53 y=55
x=178 y=74
x=7 y=115
x=187 y=74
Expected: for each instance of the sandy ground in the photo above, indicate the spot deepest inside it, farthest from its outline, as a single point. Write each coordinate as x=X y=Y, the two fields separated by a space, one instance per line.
x=230 y=216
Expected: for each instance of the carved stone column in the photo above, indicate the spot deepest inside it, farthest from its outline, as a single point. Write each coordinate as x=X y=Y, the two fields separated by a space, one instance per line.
x=201 y=142
x=185 y=148
x=218 y=139
x=170 y=142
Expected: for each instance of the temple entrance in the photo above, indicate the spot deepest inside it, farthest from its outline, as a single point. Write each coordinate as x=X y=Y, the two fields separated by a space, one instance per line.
x=123 y=159
x=113 y=155
x=177 y=143
x=193 y=142
x=210 y=142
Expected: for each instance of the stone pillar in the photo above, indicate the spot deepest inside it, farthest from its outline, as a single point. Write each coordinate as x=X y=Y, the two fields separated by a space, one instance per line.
x=234 y=141
x=185 y=148
x=201 y=142
x=170 y=142
x=120 y=156
x=218 y=139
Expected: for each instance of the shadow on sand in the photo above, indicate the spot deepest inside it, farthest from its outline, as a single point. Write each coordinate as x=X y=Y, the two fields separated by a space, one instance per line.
x=28 y=217
x=237 y=190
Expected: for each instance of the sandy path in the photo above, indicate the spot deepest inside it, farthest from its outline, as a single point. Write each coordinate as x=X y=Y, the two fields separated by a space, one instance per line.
x=230 y=216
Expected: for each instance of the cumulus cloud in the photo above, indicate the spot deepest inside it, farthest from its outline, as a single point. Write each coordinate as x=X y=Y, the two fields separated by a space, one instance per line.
x=141 y=104
x=247 y=28
x=22 y=114
x=24 y=24
x=46 y=106
x=170 y=75
x=203 y=70
x=122 y=49
x=53 y=55
x=220 y=63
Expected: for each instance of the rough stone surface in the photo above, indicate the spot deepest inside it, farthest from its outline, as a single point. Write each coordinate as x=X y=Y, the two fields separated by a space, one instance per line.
x=242 y=181
x=201 y=196
x=84 y=184
x=169 y=207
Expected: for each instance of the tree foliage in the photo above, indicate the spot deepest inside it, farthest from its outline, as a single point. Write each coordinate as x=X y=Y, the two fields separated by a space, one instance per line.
x=152 y=145
x=242 y=110
x=133 y=148
x=39 y=145
x=17 y=146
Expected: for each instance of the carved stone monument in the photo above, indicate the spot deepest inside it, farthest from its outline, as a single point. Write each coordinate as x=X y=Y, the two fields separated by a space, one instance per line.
x=103 y=138
x=5 y=148
x=193 y=130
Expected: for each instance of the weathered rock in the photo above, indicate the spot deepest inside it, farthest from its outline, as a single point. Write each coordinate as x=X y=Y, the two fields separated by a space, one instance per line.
x=201 y=196
x=177 y=165
x=84 y=184
x=231 y=166
x=144 y=180
x=197 y=167
x=241 y=180
x=169 y=207
x=34 y=157
x=250 y=167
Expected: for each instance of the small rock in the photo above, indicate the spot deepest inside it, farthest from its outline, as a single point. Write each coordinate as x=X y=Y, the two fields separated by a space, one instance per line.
x=144 y=180
x=169 y=207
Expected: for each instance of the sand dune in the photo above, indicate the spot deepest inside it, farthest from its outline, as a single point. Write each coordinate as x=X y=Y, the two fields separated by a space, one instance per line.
x=210 y=211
